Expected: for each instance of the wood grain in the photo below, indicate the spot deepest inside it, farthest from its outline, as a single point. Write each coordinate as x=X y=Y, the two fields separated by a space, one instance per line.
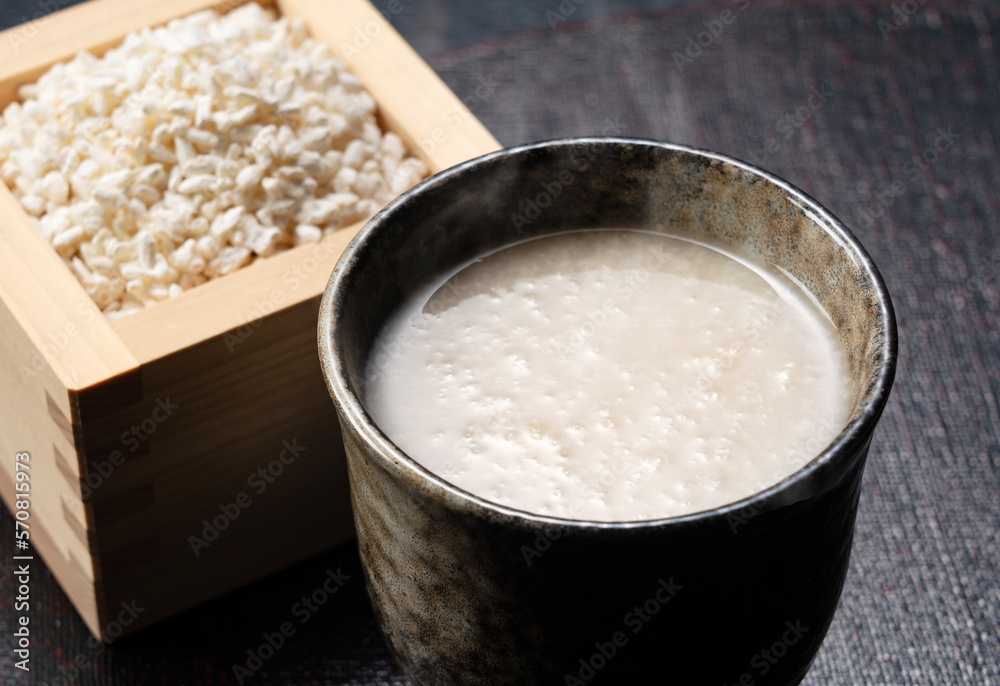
x=122 y=485
x=53 y=342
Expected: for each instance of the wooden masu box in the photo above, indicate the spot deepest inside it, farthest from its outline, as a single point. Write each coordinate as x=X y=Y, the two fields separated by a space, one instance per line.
x=140 y=428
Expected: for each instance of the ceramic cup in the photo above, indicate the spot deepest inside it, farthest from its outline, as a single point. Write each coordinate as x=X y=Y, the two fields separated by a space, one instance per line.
x=470 y=592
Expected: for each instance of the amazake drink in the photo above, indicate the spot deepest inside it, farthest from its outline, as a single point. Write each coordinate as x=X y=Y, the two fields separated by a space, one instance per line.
x=610 y=375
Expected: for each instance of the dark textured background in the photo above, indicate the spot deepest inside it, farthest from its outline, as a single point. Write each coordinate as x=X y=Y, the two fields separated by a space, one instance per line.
x=922 y=601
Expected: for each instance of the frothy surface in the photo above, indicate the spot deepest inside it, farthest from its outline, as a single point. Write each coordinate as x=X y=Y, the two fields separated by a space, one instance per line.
x=610 y=375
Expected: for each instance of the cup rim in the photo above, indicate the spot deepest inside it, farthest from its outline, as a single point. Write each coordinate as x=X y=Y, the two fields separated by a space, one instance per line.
x=353 y=412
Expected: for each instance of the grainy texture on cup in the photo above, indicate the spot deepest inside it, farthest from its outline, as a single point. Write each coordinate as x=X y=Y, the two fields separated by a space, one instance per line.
x=192 y=150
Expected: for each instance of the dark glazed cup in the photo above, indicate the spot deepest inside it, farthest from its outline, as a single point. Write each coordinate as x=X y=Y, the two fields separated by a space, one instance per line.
x=470 y=592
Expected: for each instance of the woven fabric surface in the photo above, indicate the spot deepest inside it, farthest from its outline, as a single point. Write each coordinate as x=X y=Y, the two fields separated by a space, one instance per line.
x=891 y=123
